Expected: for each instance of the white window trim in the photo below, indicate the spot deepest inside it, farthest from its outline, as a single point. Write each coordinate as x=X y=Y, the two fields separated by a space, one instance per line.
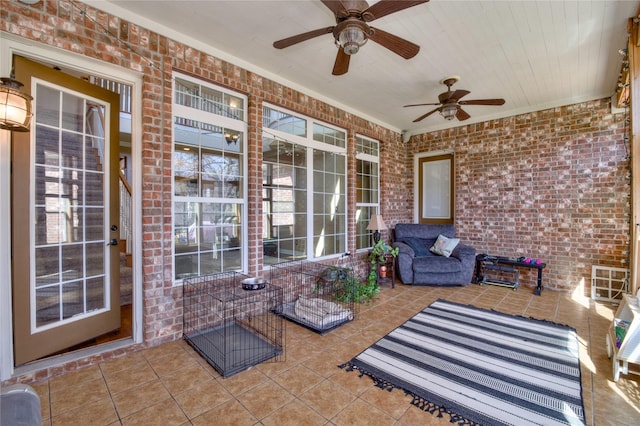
x=372 y=159
x=308 y=142
x=217 y=120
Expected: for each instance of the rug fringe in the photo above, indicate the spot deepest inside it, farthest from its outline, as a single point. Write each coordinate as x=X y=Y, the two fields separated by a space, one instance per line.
x=418 y=401
x=434 y=409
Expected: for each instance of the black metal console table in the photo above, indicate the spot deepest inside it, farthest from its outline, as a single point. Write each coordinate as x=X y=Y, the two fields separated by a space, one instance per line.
x=485 y=261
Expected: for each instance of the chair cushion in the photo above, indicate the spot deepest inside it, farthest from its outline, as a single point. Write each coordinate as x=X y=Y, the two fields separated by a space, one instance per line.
x=436 y=264
x=417 y=245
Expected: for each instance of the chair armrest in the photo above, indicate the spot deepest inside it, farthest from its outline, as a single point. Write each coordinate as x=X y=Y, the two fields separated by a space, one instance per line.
x=467 y=256
x=464 y=253
x=404 y=262
x=403 y=249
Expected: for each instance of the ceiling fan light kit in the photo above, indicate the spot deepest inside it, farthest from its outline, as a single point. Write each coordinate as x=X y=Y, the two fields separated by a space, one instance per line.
x=351 y=39
x=449 y=112
x=352 y=30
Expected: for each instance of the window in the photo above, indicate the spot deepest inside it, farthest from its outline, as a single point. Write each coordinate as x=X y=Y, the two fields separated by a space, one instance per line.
x=435 y=200
x=208 y=178
x=368 y=184
x=304 y=187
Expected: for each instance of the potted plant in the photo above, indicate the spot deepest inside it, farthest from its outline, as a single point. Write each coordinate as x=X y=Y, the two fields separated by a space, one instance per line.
x=341 y=283
x=378 y=256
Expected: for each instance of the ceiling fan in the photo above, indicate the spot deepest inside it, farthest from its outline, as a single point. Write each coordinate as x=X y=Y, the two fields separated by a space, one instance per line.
x=351 y=31
x=450 y=103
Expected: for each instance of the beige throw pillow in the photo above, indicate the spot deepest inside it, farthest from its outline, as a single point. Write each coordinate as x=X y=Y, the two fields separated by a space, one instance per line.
x=444 y=245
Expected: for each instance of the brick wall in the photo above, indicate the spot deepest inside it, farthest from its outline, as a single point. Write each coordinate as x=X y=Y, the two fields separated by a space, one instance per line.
x=551 y=184
x=78 y=28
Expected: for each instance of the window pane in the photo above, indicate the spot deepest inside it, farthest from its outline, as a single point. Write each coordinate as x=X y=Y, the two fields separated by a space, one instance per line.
x=289 y=191
x=329 y=135
x=208 y=99
x=288 y=123
x=284 y=201
x=329 y=204
x=367 y=181
x=207 y=237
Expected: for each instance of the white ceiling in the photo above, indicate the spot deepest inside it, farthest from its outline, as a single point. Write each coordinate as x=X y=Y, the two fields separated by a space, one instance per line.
x=534 y=54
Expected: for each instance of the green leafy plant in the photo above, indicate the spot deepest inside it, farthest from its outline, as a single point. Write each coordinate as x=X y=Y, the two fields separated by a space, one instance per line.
x=342 y=283
x=377 y=256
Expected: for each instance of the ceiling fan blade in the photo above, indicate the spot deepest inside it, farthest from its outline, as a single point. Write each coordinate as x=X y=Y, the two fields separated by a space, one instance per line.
x=290 y=41
x=422 y=117
x=462 y=114
x=458 y=94
x=355 y=4
x=397 y=45
x=387 y=7
x=341 y=66
x=412 y=105
x=483 y=102
x=452 y=97
x=336 y=6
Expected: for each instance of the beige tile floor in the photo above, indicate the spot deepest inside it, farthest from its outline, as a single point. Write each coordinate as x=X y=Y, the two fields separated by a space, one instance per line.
x=172 y=385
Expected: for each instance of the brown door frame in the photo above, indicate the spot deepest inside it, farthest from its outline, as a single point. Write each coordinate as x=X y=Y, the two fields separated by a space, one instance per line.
x=420 y=193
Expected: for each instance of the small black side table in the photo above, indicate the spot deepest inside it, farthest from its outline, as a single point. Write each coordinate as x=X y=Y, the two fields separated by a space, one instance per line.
x=390 y=263
x=481 y=259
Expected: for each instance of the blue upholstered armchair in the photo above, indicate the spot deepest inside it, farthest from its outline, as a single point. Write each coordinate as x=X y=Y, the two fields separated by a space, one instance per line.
x=418 y=265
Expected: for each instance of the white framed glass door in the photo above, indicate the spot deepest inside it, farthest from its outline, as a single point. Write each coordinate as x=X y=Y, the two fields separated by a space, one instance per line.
x=64 y=215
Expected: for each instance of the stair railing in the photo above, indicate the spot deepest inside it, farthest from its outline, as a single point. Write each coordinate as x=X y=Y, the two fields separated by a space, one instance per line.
x=125 y=212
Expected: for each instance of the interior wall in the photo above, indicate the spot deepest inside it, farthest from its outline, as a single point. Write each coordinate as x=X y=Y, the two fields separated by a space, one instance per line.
x=553 y=185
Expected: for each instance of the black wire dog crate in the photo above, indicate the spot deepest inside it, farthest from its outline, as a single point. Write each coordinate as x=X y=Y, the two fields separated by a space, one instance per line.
x=317 y=296
x=232 y=328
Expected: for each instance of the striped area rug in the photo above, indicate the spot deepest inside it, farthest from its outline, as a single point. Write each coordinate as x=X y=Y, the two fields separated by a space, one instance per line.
x=481 y=367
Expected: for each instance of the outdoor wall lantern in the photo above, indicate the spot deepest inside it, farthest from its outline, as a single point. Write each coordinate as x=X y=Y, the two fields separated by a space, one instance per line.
x=15 y=106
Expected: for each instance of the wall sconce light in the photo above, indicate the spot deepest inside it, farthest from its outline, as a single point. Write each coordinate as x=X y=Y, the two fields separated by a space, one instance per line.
x=376 y=224
x=15 y=106
x=449 y=111
x=231 y=137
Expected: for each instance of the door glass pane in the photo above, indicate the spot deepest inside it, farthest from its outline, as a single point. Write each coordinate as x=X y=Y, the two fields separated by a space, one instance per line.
x=94 y=191
x=47 y=146
x=72 y=299
x=71 y=145
x=94 y=254
x=95 y=295
x=72 y=259
x=69 y=208
x=47 y=305
x=94 y=153
x=48 y=106
x=47 y=261
x=72 y=112
x=436 y=185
